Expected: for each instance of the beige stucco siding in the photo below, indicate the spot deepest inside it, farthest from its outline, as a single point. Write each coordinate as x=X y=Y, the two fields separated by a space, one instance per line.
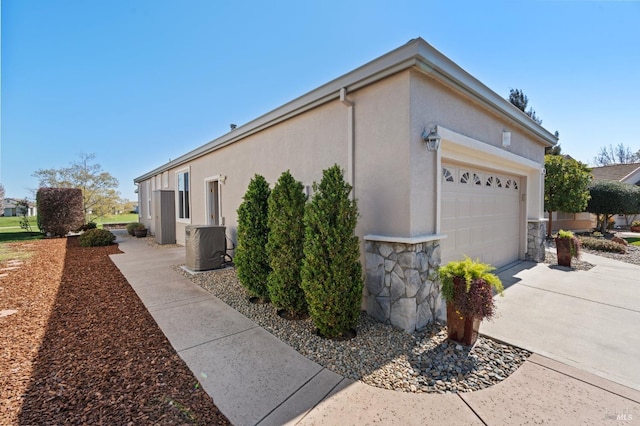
x=305 y=145
x=433 y=102
x=382 y=172
x=309 y=143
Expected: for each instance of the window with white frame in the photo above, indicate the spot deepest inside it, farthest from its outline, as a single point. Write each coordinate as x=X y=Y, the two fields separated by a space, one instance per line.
x=182 y=203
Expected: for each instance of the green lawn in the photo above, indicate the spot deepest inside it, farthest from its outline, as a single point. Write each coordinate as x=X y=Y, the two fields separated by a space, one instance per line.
x=15 y=221
x=10 y=230
x=633 y=241
x=13 y=235
x=117 y=218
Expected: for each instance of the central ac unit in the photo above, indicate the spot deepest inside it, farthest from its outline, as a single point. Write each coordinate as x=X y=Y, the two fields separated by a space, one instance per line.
x=205 y=247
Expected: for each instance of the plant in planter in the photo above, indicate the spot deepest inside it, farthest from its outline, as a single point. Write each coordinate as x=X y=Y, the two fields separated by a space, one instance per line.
x=567 y=247
x=635 y=226
x=131 y=226
x=140 y=231
x=467 y=287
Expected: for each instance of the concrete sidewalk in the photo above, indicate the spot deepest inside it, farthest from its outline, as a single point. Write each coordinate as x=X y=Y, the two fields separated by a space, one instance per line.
x=254 y=378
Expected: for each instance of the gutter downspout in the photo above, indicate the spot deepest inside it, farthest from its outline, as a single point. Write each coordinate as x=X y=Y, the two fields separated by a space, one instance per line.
x=350 y=140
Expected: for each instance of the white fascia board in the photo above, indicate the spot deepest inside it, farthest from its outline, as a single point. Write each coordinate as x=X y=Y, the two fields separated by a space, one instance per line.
x=630 y=178
x=417 y=53
x=462 y=148
x=445 y=70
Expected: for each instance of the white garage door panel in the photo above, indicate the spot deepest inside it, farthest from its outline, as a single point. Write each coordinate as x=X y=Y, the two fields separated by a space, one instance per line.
x=480 y=215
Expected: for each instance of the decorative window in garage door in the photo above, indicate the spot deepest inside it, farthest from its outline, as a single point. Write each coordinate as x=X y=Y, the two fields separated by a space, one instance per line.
x=451 y=175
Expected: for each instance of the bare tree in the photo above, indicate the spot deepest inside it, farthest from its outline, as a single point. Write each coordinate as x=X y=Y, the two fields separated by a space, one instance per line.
x=98 y=187
x=620 y=154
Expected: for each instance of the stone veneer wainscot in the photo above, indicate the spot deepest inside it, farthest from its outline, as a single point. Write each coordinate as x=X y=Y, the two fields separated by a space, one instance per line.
x=402 y=286
x=536 y=235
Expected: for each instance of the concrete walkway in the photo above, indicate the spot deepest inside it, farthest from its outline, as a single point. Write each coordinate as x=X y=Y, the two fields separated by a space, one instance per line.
x=254 y=378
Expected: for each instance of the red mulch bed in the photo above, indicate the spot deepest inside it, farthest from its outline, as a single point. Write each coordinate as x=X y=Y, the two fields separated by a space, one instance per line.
x=82 y=348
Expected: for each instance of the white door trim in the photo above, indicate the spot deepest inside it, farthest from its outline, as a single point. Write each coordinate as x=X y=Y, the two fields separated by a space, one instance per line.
x=207 y=181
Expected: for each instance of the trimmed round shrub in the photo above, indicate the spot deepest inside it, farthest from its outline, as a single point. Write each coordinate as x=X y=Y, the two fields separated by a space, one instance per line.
x=284 y=247
x=251 y=260
x=331 y=271
x=97 y=237
x=132 y=226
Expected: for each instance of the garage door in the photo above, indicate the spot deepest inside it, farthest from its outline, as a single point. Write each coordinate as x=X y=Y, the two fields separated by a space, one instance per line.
x=480 y=215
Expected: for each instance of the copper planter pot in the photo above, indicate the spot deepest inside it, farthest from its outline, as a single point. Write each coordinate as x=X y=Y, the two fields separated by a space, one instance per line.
x=460 y=329
x=563 y=249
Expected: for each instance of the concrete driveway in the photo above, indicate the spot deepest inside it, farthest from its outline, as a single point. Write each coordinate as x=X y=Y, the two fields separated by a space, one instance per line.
x=587 y=319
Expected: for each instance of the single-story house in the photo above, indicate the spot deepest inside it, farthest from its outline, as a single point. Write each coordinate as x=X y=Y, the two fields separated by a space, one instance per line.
x=625 y=173
x=440 y=164
x=11 y=208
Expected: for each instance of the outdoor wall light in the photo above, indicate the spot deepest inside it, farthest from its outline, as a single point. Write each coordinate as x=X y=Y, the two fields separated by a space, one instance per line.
x=432 y=139
x=222 y=179
x=506 y=138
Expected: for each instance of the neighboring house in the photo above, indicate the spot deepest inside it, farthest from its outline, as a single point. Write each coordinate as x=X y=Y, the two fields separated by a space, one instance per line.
x=11 y=208
x=625 y=173
x=477 y=192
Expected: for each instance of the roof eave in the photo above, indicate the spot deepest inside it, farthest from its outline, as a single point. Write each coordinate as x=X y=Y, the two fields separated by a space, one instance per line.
x=416 y=53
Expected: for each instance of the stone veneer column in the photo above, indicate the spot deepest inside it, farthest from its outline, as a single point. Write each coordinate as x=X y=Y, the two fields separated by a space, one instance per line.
x=402 y=286
x=536 y=235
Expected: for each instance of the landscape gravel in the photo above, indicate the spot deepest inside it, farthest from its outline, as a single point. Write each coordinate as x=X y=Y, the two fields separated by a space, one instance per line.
x=380 y=355
x=631 y=256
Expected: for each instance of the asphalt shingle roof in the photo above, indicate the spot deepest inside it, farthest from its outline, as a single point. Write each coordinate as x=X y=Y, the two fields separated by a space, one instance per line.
x=614 y=172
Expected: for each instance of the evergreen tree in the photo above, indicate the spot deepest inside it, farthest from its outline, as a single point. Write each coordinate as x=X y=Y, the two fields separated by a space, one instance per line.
x=251 y=260
x=331 y=272
x=520 y=100
x=609 y=198
x=285 y=246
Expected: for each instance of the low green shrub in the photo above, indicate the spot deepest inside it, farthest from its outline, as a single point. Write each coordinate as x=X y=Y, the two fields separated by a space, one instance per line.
x=635 y=223
x=87 y=226
x=97 y=237
x=132 y=226
x=602 y=245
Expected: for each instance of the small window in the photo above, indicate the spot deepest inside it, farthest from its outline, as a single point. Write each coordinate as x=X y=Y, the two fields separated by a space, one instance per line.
x=498 y=182
x=465 y=177
x=447 y=175
x=183 y=195
x=489 y=181
x=508 y=184
x=515 y=184
x=477 y=180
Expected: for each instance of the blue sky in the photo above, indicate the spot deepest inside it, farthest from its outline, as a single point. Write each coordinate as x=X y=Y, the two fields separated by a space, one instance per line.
x=138 y=82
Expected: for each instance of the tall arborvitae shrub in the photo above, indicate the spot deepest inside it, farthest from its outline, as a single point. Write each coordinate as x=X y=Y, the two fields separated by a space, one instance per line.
x=60 y=210
x=286 y=234
x=251 y=260
x=331 y=272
